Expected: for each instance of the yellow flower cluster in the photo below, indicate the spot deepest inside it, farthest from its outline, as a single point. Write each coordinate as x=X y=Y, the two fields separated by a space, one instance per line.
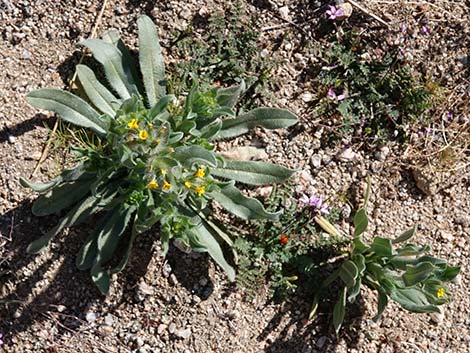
x=133 y=124
x=152 y=184
x=200 y=173
x=441 y=292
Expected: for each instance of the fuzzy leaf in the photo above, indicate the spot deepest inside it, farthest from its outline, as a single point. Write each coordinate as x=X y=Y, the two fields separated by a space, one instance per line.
x=228 y=97
x=253 y=173
x=405 y=236
x=39 y=187
x=98 y=94
x=360 y=222
x=188 y=155
x=269 y=118
x=70 y=108
x=348 y=273
x=240 y=205
x=111 y=58
x=151 y=60
x=413 y=300
x=381 y=305
x=62 y=196
x=77 y=215
x=339 y=311
x=382 y=246
x=418 y=273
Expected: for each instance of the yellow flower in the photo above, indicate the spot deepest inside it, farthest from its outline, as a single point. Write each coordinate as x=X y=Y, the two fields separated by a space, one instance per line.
x=150 y=167
x=440 y=292
x=200 y=173
x=152 y=184
x=143 y=135
x=188 y=184
x=163 y=171
x=166 y=186
x=150 y=125
x=200 y=190
x=133 y=124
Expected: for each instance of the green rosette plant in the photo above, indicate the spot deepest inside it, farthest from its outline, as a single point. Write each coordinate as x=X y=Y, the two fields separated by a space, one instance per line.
x=156 y=160
x=402 y=273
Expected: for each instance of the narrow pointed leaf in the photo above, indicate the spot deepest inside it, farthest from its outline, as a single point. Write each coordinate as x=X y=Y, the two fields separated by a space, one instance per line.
x=70 y=108
x=269 y=118
x=98 y=94
x=381 y=305
x=151 y=60
x=208 y=243
x=253 y=173
x=405 y=236
x=77 y=215
x=228 y=97
x=339 y=311
x=61 y=197
x=230 y=198
x=39 y=187
x=111 y=58
x=100 y=278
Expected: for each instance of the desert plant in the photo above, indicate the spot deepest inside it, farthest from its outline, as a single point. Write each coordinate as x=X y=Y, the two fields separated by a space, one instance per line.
x=156 y=160
x=401 y=273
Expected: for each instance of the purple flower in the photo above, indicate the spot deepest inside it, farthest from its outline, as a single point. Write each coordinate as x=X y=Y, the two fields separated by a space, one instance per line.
x=315 y=202
x=333 y=95
x=403 y=28
x=449 y=115
x=425 y=30
x=334 y=12
x=1 y=341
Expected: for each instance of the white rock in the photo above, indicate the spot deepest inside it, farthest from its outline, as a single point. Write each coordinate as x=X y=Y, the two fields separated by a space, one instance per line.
x=11 y=139
x=315 y=161
x=184 y=334
x=284 y=12
x=347 y=155
x=437 y=318
x=307 y=97
x=109 y=320
x=264 y=53
x=91 y=317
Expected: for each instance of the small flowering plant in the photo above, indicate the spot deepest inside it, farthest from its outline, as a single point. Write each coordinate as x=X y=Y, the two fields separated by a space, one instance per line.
x=334 y=12
x=156 y=161
x=401 y=273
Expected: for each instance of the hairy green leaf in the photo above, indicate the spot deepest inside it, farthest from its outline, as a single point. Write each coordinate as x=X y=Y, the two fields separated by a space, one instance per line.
x=98 y=94
x=151 y=60
x=339 y=310
x=240 y=205
x=70 y=108
x=348 y=273
x=418 y=273
x=188 y=155
x=406 y=235
x=382 y=246
x=228 y=97
x=269 y=118
x=253 y=173
x=360 y=222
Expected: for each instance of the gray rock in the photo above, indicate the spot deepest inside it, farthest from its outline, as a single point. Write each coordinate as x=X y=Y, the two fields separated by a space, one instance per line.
x=172 y=328
x=26 y=54
x=321 y=342
x=91 y=317
x=284 y=12
x=315 y=161
x=381 y=155
x=109 y=320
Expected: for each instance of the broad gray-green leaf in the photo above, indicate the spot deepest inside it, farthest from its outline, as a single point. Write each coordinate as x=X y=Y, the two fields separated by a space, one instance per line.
x=77 y=215
x=348 y=273
x=161 y=105
x=39 y=187
x=413 y=300
x=61 y=197
x=70 y=108
x=354 y=291
x=108 y=238
x=339 y=310
x=382 y=246
x=253 y=173
x=111 y=58
x=360 y=263
x=188 y=155
x=230 y=198
x=151 y=60
x=98 y=94
x=360 y=222
x=269 y=118
x=405 y=236
x=448 y=273
x=418 y=273
x=208 y=243
x=410 y=249
x=228 y=97
x=100 y=278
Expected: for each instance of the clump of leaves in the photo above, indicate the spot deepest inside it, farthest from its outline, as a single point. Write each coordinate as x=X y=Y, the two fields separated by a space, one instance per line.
x=366 y=90
x=156 y=160
x=401 y=273
x=226 y=52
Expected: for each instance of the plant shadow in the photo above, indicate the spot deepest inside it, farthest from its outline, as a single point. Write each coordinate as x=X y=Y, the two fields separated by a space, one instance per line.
x=23 y=127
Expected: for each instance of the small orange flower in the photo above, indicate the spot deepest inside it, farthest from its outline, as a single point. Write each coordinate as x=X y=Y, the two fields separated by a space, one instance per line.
x=283 y=239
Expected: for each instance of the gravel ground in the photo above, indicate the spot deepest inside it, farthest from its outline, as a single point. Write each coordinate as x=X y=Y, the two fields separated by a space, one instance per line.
x=184 y=304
